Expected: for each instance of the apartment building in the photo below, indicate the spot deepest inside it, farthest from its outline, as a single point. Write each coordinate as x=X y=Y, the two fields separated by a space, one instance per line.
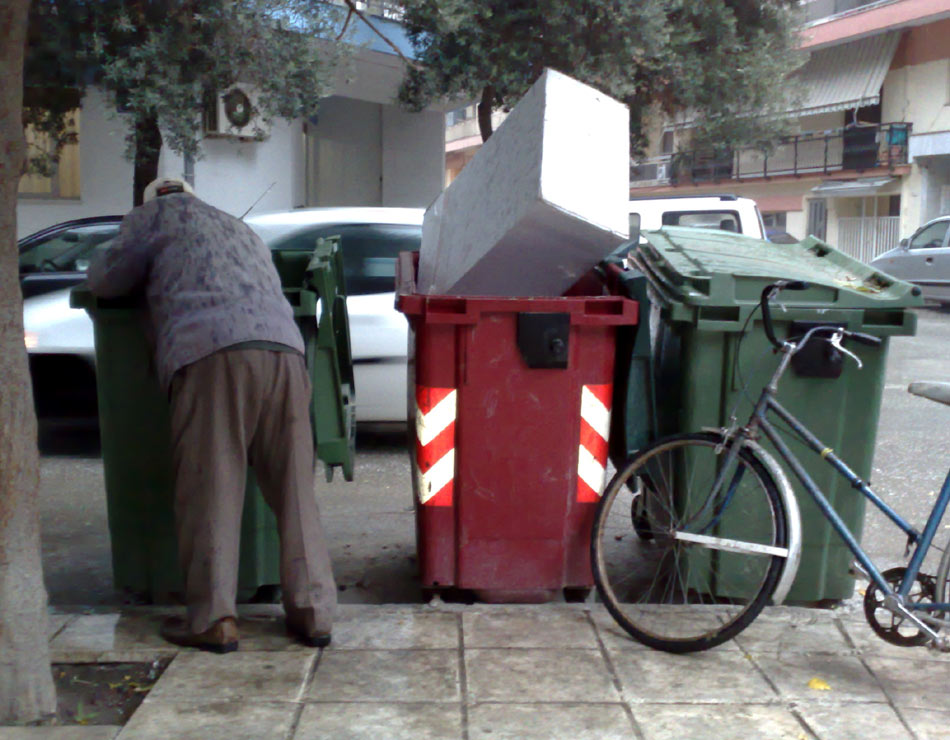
x=870 y=158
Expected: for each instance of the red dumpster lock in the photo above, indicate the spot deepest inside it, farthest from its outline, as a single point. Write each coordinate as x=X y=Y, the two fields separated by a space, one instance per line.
x=510 y=411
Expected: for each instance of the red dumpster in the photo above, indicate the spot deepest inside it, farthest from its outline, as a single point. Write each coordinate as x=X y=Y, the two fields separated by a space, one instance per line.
x=510 y=411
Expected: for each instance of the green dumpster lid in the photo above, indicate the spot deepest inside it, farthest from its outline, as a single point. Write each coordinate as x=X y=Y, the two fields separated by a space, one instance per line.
x=716 y=268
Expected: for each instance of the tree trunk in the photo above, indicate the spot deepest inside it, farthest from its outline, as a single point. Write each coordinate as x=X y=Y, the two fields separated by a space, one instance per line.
x=26 y=683
x=485 y=107
x=148 y=147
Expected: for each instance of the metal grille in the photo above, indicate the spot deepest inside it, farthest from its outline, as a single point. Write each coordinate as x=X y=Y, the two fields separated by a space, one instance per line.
x=866 y=238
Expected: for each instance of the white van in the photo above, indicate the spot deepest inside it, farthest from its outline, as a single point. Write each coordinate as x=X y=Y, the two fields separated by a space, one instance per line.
x=720 y=211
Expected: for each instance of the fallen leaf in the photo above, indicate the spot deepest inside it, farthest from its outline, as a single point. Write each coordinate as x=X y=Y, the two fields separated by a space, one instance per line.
x=819 y=684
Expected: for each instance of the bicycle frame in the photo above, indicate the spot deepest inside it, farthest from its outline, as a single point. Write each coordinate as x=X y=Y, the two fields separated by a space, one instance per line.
x=922 y=540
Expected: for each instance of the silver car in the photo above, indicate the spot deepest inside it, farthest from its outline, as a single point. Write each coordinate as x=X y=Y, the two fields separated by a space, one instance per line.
x=60 y=338
x=924 y=260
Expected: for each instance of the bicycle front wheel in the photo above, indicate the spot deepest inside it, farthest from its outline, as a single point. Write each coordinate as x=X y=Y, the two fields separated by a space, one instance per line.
x=688 y=542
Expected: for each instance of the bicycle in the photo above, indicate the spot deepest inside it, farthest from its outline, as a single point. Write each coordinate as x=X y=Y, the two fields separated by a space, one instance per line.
x=697 y=532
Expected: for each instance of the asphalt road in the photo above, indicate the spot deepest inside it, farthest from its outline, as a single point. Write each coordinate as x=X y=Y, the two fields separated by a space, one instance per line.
x=370 y=523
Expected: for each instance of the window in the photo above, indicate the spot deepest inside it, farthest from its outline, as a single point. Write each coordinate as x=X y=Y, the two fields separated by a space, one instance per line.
x=68 y=251
x=64 y=182
x=666 y=145
x=893 y=205
x=930 y=237
x=774 y=220
x=369 y=252
x=724 y=220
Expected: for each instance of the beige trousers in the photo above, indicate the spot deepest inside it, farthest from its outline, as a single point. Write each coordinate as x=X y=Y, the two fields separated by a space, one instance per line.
x=231 y=409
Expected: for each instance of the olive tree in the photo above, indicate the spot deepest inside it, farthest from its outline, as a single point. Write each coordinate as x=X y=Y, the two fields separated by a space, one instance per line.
x=26 y=684
x=160 y=63
x=725 y=61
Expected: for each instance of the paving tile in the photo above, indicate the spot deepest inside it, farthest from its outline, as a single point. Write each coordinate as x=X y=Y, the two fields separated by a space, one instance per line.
x=928 y=724
x=867 y=643
x=209 y=720
x=528 y=627
x=615 y=638
x=713 y=676
x=846 y=676
x=99 y=633
x=911 y=685
x=610 y=632
x=101 y=732
x=776 y=632
x=520 y=675
x=385 y=628
x=386 y=676
x=56 y=622
x=359 y=720
x=251 y=676
x=722 y=722
x=546 y=721
x=849 y=721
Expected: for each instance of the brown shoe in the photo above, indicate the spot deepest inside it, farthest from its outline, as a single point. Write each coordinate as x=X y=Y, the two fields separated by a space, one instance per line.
x=312 y=639
x=220 y=637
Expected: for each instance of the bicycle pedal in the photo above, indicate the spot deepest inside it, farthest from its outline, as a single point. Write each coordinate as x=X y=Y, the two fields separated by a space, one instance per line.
x=939 y=644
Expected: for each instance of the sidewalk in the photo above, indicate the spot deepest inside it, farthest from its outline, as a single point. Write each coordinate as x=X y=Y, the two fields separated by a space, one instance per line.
x=486 y=671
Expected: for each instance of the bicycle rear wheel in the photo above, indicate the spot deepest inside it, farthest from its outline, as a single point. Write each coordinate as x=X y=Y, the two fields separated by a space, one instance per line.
x=682 y=567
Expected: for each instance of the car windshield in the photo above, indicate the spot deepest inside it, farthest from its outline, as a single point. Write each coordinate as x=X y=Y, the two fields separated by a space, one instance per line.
x=724 y=220
x=70 y=250
x=369 y=251
x=931 y=236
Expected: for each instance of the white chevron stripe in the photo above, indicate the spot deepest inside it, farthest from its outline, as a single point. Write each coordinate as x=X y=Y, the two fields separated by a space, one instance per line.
x=595 y=413
x=440 y=474
x=429 y=426
x=590 y=470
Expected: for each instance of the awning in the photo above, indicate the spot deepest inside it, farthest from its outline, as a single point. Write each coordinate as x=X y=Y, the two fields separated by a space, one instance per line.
x=852 y=188
x=846 y=76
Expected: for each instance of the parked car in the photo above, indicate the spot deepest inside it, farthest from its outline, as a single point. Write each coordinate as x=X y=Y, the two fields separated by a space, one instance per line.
x=726 y=212
x=60 y=338
x=923 y=259
x=777 y=236
x=57 y=257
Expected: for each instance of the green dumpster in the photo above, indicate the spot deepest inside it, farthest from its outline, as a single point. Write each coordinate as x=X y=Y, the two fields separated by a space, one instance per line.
x=704 y=287
x=136 y=438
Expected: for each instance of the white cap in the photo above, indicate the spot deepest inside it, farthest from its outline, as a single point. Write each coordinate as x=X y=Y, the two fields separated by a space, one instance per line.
x=165 y=186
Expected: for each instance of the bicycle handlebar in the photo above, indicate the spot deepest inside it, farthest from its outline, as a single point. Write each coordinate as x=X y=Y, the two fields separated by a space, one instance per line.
x=767 y=292
x=770 y=290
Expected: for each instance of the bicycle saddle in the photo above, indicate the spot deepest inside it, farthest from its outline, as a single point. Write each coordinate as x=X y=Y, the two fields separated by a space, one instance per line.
x=939 y=392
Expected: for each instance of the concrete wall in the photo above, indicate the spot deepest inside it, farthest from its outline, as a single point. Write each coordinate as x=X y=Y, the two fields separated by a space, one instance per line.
x=105 y=175
x=413 y=156
x=368 y=154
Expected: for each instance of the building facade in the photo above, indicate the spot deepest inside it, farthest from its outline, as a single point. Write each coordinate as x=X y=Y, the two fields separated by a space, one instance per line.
x=361 y=149
x=870 y=159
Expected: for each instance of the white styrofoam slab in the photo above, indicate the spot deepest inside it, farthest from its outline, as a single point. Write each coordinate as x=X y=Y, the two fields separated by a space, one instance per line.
x=543 y=200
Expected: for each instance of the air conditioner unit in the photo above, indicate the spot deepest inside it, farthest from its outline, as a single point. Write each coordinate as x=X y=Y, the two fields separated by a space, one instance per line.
x=233 y=113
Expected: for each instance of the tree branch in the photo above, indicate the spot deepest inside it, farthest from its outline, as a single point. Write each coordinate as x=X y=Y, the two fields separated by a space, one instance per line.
x=362 y=16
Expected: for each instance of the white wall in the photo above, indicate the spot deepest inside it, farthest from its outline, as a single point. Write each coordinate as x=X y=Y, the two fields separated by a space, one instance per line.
x=105 y=184
x=231 y=173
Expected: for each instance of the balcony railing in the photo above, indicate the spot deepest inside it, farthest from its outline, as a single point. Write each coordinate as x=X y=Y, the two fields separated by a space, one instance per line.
x=854 y=148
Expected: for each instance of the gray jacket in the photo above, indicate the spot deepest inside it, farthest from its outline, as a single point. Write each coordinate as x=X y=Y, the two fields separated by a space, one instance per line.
x=208 y=278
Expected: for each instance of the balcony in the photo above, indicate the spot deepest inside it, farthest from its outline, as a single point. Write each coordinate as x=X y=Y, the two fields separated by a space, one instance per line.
x=853 y=149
